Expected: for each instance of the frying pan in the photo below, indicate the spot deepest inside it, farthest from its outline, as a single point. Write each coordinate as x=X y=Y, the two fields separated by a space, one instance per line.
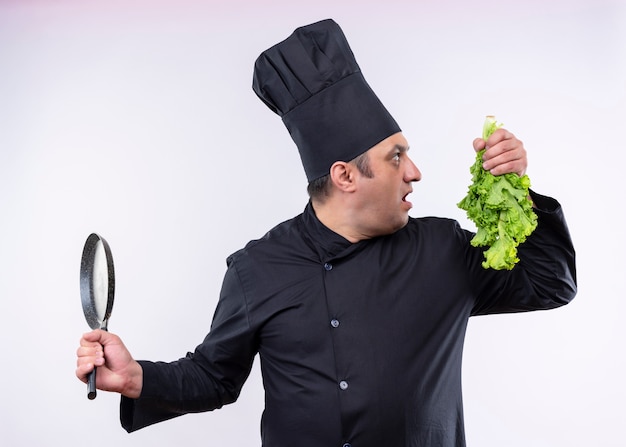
x=97 y=290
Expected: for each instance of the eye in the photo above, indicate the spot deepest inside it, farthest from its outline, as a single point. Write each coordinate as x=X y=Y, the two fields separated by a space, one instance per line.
x=396 y=157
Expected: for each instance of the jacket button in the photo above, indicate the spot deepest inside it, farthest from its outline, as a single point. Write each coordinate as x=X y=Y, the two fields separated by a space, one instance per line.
x=343 y=385
x=334 y=323
x=328 y=266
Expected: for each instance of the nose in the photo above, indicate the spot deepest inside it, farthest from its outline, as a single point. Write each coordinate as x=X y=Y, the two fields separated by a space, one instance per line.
x=412 y=173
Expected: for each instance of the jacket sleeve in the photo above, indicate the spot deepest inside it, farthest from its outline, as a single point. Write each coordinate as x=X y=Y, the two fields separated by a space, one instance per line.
x=206 y=379
x=545 y=276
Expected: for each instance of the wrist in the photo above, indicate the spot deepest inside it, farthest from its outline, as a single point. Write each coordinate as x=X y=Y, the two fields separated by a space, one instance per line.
x=134 y=384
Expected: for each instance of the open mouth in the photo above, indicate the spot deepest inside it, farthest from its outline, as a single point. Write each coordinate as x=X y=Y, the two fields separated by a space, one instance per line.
x=405 y=201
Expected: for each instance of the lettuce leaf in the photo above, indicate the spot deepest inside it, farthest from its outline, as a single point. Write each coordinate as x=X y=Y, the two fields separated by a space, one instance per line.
x=500 y=208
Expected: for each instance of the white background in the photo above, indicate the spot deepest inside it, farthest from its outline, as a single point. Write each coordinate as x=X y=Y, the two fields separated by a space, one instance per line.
x=136 y=120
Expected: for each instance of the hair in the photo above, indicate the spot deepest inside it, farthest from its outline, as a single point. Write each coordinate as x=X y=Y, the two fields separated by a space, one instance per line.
x=319 y=188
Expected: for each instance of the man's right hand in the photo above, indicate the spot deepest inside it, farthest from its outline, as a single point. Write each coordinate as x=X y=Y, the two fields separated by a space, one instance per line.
x=117 y=370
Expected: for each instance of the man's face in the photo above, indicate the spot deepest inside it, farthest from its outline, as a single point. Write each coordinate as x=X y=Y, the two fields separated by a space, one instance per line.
x=383 y=207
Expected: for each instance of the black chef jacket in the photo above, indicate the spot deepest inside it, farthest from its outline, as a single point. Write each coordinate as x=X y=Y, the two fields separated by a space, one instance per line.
x=360 y=344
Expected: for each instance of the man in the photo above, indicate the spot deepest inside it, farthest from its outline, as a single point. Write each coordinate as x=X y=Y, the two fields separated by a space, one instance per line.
x=357 y=311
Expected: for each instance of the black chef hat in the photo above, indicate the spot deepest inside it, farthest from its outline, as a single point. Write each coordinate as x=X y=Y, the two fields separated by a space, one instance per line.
x=313 y=82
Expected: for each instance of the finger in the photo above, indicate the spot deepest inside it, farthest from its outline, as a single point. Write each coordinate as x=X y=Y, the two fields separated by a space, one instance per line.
x=503 y=154
x=93 y=336
x=479 y=144
x=503 y=158
x=511 y=146
x=516 y=166
x=498 y=136
x=92 y=351
x=88 y=344
x=83 y=371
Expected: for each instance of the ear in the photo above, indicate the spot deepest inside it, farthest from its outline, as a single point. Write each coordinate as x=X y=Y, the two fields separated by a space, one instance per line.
x=343 y=176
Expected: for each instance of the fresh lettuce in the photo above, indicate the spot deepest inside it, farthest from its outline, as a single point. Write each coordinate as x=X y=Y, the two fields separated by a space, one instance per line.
x=500 y=208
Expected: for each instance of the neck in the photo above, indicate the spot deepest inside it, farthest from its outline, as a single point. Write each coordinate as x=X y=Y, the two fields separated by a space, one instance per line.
x=338 y=218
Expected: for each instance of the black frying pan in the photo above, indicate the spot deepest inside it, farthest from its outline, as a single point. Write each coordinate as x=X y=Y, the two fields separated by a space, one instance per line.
x=97 y=290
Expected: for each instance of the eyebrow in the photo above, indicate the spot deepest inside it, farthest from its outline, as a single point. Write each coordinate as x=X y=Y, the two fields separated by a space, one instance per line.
x=399 y=147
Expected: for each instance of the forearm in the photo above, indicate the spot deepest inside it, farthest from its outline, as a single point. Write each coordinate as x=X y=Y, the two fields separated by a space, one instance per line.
x=170 y=390
x=548 y=255
x=545 y=276
x=207 y=379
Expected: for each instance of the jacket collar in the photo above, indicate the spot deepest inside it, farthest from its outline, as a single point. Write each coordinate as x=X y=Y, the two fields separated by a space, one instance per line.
x=326 y=242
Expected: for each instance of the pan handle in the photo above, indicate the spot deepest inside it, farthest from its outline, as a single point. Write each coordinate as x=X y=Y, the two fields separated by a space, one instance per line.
x=91 y=385
x=91 y=379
